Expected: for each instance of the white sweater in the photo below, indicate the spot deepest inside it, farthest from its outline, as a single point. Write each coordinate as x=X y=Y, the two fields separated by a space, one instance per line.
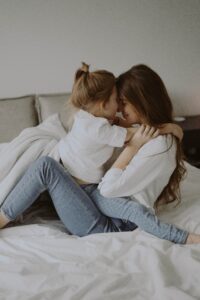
x=146 y=175
x=88 y=145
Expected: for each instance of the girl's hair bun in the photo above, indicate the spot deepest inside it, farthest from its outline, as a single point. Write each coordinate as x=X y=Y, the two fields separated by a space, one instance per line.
x=85 y=67
x=83 y=71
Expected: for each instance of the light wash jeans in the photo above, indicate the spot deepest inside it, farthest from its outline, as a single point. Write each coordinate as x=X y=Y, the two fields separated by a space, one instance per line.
x=82 y=209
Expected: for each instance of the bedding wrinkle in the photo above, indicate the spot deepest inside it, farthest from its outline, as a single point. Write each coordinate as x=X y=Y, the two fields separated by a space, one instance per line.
x=45 y=262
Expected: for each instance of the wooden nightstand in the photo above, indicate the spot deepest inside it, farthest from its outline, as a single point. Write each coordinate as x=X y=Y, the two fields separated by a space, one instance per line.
x=191 y=139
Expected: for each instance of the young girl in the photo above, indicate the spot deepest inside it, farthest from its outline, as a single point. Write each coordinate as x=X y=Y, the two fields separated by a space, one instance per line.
x=91 y=141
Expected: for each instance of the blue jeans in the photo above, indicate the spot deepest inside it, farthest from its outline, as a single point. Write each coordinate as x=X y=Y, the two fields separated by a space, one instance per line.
x=131 y=210
x=81 y=208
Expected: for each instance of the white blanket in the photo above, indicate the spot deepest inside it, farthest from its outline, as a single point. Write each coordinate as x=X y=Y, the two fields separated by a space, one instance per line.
x=43 y=262
x=33 y=142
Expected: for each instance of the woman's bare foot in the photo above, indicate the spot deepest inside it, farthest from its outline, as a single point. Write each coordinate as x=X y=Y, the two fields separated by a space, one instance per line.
x=193 y=238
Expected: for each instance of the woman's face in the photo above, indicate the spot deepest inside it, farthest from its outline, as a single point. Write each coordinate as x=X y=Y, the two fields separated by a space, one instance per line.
x=129 y=112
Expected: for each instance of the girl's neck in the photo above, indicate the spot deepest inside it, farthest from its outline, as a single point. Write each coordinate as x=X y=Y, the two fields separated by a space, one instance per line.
x=95 y=111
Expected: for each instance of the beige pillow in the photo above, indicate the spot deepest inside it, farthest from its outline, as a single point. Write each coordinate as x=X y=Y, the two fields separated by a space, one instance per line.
x=67 y=115
x=15 y=115
x=51 y=103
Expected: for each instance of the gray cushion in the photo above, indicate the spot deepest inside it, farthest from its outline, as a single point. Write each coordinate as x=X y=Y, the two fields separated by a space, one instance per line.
x=48 y=104
x=67 y=115
x=15 y=115
x=51 y=103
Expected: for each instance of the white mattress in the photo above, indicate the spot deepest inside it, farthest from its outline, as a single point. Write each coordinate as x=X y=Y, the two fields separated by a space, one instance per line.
x=44 y=262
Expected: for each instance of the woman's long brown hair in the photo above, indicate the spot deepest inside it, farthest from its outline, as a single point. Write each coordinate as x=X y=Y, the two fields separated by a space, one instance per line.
x=144 y=88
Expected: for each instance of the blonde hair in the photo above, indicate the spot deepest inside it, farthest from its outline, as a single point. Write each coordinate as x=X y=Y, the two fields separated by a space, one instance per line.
x=91 y=87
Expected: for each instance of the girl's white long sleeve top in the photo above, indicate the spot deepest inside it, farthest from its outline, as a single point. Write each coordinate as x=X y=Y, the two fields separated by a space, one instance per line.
x=146 y=175
x=88 y=146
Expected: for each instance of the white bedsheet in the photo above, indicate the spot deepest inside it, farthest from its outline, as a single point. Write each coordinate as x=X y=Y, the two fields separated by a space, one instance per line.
x=43 y=262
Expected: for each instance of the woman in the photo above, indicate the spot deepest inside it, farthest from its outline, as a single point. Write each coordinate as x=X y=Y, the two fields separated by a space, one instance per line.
x=76 y=205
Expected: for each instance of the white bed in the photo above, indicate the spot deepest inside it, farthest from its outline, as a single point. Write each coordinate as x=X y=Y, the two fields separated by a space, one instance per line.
x=42 y=261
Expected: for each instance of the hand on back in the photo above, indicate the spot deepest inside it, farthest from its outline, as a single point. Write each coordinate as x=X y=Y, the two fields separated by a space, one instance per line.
x=143 y=135
x=172 y=128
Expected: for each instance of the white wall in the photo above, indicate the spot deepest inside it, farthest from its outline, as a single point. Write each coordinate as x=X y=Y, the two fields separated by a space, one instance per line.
x=42 y=43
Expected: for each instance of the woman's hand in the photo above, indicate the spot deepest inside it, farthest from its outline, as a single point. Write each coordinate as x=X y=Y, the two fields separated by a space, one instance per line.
x=172 y=128
x=143 y=135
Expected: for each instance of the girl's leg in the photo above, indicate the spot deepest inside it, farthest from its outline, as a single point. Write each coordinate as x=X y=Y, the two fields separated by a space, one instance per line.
x=131 y=210
x=76 y=210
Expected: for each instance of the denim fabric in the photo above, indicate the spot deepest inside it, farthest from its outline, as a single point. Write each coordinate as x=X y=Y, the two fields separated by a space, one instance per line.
x=82 y=209
x=131 y=210
x=76 y=210
x=121 y=224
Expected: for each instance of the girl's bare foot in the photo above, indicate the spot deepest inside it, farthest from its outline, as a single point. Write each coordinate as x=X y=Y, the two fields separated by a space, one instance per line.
x=193 y=238
x=3 y=220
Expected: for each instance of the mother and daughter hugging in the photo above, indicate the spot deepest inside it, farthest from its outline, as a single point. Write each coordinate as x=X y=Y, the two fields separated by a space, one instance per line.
x=145 y=176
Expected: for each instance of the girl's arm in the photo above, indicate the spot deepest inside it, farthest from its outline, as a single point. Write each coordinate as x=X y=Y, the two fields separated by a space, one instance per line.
x=166 y=128
x=104 y=133
x=130 y=130
x=172 y=128
x=121 y=122
x=142 y=135
x=107 y=136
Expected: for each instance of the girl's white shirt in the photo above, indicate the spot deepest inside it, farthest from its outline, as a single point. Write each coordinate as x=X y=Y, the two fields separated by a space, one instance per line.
x=146 y=175
x=89 y=144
